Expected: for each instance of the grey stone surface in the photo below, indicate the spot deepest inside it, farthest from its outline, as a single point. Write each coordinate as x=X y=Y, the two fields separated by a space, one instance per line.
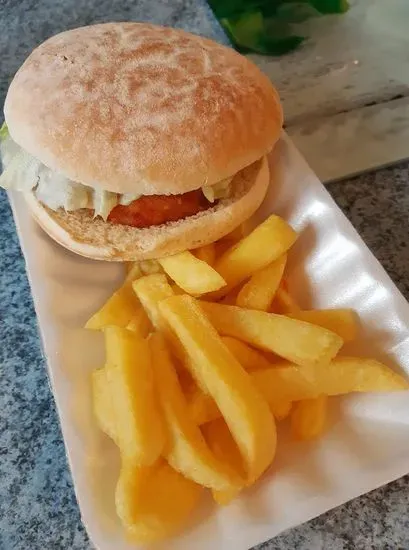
x=38 y=510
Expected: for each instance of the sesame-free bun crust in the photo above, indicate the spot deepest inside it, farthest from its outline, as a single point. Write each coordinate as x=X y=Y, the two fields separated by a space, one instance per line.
x=133 y=107
x=100 y=240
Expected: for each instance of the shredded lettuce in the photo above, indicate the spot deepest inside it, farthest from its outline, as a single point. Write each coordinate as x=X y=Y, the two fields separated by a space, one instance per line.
x=4 y=132
x=220 y=190
x=127 y=198
x=57 y=191
x=25 y=173
x=21 y=172
x=104 y=202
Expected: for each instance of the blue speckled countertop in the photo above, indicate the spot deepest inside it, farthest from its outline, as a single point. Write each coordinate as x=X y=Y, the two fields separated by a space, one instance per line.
x=38 y=510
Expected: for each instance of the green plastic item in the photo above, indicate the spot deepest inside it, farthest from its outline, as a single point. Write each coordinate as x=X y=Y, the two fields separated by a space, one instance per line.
x=268 y=26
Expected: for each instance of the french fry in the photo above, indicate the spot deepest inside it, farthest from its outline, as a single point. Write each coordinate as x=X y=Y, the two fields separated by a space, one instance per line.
x=117 y=311
x=308 y=418
x=229 y=299
x=206 y=253
x=186 y=449
x=153 y=502
x=266 y=243
x=259 y=291
x=343 y=322
x=297 y=341
x=133 y=272
x=242 y=406
x=354 y=374
x=102 y=402
x=151 y=290
x=221 y=442
x=140 y=323
x=249 y=358
x=285 y=383
x=203 y=408
x=150 y=267
x=284 y=302
x=343 y=375
x=191 y=274
x=281 y=409
x=137 y=417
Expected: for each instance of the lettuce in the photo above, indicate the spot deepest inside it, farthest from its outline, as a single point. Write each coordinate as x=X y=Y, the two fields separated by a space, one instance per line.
x=127 y=198
x=220 y=190
x=4 y=132
x=104 y=202
x=21 y=173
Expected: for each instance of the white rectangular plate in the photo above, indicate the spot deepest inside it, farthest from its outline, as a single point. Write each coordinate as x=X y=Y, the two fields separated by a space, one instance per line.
x=368 y=441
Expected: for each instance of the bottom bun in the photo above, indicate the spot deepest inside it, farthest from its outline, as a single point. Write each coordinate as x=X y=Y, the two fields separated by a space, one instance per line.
x=94 y=238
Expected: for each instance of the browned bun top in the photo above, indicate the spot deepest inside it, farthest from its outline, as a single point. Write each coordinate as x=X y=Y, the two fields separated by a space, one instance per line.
x=132 y=107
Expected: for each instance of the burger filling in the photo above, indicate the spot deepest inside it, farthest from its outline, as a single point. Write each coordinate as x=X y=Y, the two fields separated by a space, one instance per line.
x=27 y=174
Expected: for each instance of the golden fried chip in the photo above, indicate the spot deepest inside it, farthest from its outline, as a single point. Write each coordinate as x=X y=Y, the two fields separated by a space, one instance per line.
x=259 y=291
x=308 y=418
x=191 y=274
x=137 y=416
x=263 y=245
x=154 y=502
x=242 y=406
x=186 y=449
x=297 y=341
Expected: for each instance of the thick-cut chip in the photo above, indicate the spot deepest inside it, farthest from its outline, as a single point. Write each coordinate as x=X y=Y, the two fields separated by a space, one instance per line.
x=343 y=375
x=151 y=290
x=259 y=291
x=354 y=374
x=186 y=449
x=284 y=302
x=229 y=299
x=206 y=253
x=281 y=409
x=140 y=323
x=117 y=311
x=221 y=442
x=134 y=272
x=248 y=357
x=343 y=322
x=299 y=342
x=286 y=383
x=137 y=416
x=241 y=404
x=191 y=274
x=266 y=243
x=177 y=290
x=154 y=502
x=102 y=402
x=308 y=418
x=150 y=267
x=203 y=409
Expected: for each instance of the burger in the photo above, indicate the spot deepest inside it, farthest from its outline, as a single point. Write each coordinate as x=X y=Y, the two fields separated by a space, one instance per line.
x=133 y=141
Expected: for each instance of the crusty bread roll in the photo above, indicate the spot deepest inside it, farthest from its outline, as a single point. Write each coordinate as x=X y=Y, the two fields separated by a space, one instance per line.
x=138 y=108
x=100 y=240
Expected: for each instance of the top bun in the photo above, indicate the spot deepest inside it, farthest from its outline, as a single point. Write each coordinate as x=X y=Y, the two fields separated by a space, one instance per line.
x=132 y=107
